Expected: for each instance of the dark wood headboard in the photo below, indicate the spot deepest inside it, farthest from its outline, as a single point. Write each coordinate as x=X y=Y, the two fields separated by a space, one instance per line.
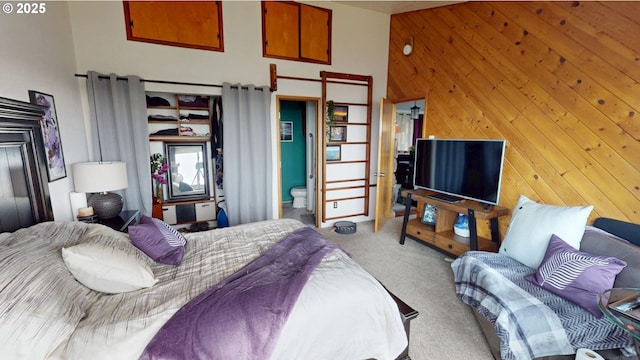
x=25 y=200
x=625 y=230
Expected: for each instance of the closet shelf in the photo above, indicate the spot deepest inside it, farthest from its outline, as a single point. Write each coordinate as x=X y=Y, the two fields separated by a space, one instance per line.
x=202 y=108
x=197 y=121
x=172 y=122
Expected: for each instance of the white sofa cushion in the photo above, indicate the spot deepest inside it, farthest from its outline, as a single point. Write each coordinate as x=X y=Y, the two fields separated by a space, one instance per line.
x=532 y=225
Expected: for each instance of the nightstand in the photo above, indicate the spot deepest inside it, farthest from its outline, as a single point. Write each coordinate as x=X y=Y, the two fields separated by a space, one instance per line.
x=122 y=221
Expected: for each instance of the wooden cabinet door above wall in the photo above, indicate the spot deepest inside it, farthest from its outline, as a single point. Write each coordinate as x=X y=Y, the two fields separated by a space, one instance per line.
x=296 y=31
x=280 y=29
x=192 y=24
x=315 y=33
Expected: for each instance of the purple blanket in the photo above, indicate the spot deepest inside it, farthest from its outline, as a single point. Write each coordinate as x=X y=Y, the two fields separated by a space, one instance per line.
x=242 y=316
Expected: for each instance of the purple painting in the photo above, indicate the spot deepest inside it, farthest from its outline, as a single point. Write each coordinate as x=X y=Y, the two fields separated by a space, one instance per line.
x=50 y=135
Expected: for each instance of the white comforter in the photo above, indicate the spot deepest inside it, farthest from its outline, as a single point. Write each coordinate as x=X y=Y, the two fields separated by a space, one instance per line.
x=342 y=313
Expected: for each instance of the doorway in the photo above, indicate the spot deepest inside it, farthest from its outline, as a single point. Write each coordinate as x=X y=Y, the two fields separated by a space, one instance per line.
x=298 y=144
x=400 y=126
x=409 y=128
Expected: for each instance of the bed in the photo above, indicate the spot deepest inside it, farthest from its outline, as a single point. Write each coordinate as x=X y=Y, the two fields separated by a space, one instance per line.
x=340 y=312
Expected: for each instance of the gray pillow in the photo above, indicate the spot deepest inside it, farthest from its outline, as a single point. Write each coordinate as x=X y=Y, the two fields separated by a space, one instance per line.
x=599 y=242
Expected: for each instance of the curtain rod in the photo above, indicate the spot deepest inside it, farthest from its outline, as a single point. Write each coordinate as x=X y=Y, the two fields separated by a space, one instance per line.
x=168 y=82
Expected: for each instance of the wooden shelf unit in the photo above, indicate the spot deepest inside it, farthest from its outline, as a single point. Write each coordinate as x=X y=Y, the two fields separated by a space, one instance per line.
x=182 y=212
x=441 y=235
x=177 y=110
x=362 y=180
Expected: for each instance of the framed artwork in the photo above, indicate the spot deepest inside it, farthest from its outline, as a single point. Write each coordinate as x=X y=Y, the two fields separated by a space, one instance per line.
x=338 y=133
x=428 y=214
x=341 y=113
x=333 y=152
x=286 y=131
x=56 y=168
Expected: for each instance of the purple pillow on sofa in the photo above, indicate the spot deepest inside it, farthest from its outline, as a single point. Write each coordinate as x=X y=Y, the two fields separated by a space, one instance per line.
x=159 y=240
x=575 y=275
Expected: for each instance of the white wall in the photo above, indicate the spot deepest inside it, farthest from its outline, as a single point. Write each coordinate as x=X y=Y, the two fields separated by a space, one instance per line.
x=359 y=43
x=37 y=54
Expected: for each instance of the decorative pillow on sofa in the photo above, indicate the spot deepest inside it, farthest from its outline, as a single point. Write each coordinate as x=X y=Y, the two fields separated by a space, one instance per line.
x=532 y=225
x=159 y=240
x=108 y=269
x=575 y=275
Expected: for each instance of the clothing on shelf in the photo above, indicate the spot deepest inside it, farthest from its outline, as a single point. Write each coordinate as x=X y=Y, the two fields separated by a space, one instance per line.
x=161 y=117
x=185 y=130
x=193 y=117
x=219 y=168
x=157 y=101
x=216 y=125
x=172 y=132
x=193 y=101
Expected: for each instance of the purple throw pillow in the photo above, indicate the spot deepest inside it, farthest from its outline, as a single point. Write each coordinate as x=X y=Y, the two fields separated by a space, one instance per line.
x=159 y=240
x=575 y=275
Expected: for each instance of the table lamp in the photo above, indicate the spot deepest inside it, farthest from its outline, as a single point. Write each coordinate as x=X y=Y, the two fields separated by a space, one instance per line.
x=99 y=178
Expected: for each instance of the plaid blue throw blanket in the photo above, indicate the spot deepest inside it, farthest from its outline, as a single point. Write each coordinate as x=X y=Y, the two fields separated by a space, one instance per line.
x=529 y=320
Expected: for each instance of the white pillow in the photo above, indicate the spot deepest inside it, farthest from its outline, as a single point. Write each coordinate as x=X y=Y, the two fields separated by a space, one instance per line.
x=532 y=225
x=107 y=269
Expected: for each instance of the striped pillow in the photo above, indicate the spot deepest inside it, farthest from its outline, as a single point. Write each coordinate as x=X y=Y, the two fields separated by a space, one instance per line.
x=576 y=275
x=159 y=240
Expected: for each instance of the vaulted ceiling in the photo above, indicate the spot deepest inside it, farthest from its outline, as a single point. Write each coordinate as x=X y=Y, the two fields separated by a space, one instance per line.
x=397 y=7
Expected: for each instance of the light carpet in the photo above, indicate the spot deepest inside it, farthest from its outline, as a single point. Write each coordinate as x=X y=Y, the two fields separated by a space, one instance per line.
x=420 y=276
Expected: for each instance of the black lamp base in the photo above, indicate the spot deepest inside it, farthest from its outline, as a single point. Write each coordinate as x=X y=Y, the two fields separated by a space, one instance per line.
x=106 y=205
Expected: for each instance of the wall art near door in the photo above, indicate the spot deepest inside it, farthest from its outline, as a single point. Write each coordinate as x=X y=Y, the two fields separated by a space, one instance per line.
x=51 y=135
x=341 y=113
x=286 y=131
x=333 y=152
x=338 y=134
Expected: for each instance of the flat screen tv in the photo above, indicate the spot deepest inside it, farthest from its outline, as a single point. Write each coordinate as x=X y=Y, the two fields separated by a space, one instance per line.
x=460 y=168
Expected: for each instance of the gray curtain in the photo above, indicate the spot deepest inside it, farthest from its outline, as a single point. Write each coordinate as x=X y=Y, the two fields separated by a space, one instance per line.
x=120 y=133
x=248 y=184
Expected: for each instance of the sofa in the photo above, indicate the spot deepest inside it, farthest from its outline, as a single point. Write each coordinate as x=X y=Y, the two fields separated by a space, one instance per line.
x=523 y=317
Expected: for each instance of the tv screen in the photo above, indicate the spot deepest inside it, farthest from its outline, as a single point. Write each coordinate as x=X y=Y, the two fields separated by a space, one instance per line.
x=470 y=169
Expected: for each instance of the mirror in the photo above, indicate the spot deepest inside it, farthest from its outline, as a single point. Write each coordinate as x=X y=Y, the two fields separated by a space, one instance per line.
x=188 y=171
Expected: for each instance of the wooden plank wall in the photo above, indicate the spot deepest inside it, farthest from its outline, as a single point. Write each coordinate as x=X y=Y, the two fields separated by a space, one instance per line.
x=558 y=80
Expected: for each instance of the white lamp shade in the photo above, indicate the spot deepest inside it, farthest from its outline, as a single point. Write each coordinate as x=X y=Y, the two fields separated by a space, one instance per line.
x=93 y=177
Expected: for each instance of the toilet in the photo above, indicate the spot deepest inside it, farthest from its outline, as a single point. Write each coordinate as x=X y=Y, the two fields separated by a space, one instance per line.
x=299 y=194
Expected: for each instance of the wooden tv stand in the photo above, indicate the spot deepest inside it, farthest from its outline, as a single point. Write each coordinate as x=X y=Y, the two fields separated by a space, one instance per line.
x=441 y=235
